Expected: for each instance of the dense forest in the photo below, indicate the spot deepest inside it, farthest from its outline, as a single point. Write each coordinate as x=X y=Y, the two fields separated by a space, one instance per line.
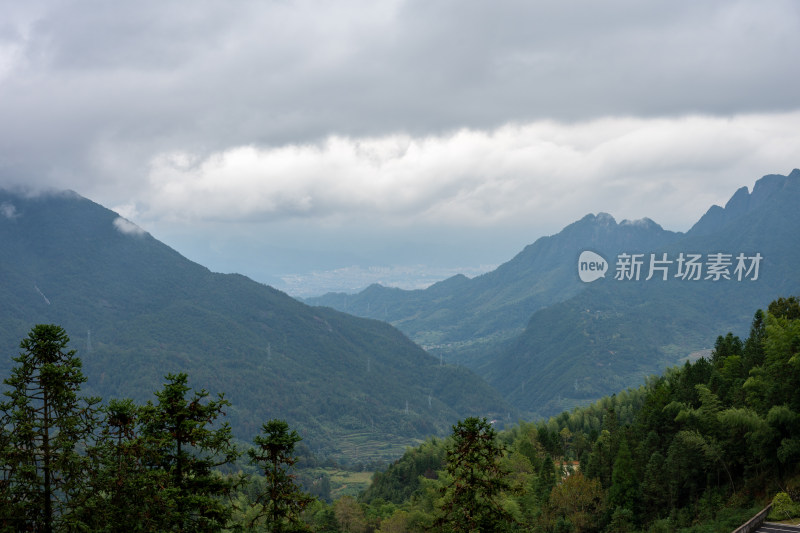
x=701 y=448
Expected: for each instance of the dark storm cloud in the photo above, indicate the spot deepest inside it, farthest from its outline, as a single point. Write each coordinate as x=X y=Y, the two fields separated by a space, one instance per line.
x=145 y=77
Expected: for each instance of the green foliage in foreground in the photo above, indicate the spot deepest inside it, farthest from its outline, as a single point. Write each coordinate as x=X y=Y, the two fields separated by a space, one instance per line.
x=282 y=501
x=699 y=449
x=44 y=425
x=783 y=508
x=66 y=465
x=694 y=450
x=476 y=480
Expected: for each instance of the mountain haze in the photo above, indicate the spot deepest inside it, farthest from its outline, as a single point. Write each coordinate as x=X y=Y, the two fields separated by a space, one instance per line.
x=136 y=309
x=583 y=341
x=464 y=318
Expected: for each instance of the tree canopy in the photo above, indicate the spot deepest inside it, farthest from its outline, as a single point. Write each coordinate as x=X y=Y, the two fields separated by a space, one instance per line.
x=707 y=442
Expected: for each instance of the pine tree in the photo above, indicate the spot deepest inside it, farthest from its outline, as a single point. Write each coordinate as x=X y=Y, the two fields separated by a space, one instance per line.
x=282 y=501
x=182 y=448
x=753 y=351
x=49 y=427
x=724 y=347
x=655 y=488
x=125 y=494
x=545 y=480
x=470 y=501
x=624 y=489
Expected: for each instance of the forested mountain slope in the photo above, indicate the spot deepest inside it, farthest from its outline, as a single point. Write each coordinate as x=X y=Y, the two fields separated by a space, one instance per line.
x=702 y=447
x=136 y=309
x=585 y=340
x=616 y=332
x=465 y=318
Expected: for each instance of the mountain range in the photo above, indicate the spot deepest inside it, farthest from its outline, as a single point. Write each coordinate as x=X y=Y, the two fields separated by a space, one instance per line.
x=549 y=341
x=357 y=386
x=460 y=316
x=136 y=310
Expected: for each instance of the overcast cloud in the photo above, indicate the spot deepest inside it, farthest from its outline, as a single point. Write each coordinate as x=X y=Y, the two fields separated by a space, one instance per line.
x=317 y=131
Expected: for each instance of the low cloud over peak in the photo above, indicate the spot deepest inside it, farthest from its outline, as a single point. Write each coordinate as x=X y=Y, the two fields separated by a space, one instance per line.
x=7 y=210
x=127 y=227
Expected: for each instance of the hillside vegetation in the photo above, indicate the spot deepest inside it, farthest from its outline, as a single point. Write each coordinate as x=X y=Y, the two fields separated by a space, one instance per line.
x=615 y=333
x=550 y=342
x=137 y=310
x=462 y=318
x=702 y=447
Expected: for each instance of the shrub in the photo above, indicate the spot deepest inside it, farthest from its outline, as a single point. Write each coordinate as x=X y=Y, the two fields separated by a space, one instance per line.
x=783 y=508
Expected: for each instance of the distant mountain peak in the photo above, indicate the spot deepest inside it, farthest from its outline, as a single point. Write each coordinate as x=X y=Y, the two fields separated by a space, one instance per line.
x=605 y=218
x=607 y=221
x=770 y=184
x=645 y=222
x=600 y=218
x=739 y=200
x=743 y=202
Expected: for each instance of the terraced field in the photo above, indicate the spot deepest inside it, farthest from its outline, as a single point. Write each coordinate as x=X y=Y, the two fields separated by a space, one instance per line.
x=369 y=447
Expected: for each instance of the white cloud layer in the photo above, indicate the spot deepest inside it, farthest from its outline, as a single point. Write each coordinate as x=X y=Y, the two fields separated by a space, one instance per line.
x=676 y=167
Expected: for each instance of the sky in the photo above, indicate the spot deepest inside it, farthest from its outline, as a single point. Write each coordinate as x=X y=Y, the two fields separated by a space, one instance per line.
x=323 y=146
